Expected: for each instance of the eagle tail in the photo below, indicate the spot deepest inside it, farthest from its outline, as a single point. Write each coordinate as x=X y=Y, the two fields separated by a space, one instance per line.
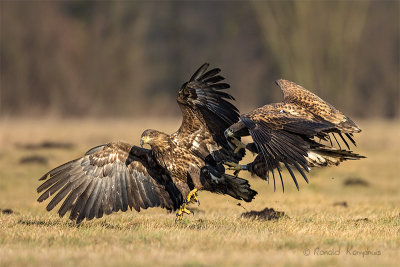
x=329 y=157
x=236 y=187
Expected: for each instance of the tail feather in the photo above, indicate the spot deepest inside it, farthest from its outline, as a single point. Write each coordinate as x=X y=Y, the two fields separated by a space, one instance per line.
x=330 y=157
x=236 y=187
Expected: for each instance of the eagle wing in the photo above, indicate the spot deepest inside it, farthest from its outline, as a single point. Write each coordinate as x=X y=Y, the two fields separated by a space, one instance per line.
x=207 y=112
x=281 y=134
x=294 y=93
x=109 y=178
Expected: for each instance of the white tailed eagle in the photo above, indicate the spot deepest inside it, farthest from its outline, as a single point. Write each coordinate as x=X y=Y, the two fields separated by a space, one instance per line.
x=118 y=176
x=290 y=133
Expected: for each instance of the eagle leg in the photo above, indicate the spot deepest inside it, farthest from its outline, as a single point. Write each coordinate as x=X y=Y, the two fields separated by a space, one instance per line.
x=181 y=211
x=235 y=167
x=191 y=198
x=239 y=145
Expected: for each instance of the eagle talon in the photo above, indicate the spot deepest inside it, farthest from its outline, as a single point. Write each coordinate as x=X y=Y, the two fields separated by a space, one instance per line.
x=181 y=211
x=239 y=144
x=233 y=166
x=191 y=198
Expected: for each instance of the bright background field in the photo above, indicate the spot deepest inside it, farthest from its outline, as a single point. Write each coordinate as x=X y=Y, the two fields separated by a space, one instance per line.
x=216 y=235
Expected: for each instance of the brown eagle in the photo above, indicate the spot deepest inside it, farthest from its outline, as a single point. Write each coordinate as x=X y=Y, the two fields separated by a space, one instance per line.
x=292 y=133
x=117 y=176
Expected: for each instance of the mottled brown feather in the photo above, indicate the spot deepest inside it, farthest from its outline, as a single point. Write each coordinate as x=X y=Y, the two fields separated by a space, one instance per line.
x=102 y=182
x=296 y=94
x=287 y=132
x=116 y=176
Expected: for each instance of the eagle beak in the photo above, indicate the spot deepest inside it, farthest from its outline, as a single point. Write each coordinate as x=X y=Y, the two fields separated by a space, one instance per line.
x=228 y=133
x=144 y=140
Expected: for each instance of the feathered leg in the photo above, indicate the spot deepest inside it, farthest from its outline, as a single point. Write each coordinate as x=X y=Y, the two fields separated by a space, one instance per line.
x=231 y=137
x=236 y=167
x=191 y=198
x=239 y=145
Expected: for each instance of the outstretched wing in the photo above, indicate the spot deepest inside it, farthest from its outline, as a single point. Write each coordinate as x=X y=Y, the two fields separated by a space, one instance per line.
x=280 y=136
x=296 y=94
x=107 y=179
x=207 y=113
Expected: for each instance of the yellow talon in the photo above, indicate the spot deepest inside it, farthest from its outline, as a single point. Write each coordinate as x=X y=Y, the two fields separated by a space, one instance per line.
x=185 y=210
x=191 y=198
x=239 y=144
x=235 y=167
x=179 y=214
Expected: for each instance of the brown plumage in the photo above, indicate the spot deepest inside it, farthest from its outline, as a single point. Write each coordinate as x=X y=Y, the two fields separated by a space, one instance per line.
x=301 y=97
x=290 y=133
x=118 y=176
x=107 y=179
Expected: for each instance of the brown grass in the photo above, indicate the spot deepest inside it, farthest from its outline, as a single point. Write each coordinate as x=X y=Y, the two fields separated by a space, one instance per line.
x=216 y=235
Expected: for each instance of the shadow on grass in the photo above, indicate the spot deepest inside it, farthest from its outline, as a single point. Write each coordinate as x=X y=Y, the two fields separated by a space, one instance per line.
x=38 y=222
x=117 y=226
x=199 y=225
x=85 y=224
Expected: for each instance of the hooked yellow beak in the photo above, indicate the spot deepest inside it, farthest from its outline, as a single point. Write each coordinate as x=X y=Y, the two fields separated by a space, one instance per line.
x=228 y=133
x=144 y=140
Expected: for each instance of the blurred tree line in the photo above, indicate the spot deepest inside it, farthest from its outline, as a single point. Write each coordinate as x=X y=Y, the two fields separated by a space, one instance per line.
x=129 y=58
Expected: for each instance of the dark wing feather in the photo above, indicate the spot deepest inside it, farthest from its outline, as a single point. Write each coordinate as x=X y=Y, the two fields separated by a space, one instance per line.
x=109 y=178
x=285 y=133
x=204 y=105
x=280 y=136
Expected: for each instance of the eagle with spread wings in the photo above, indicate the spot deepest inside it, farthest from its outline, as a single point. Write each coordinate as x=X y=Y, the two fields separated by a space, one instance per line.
x=292 y=134
x=117 y=176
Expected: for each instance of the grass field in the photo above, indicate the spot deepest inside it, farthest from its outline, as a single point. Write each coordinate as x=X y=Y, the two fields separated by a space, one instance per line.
x=216 y=235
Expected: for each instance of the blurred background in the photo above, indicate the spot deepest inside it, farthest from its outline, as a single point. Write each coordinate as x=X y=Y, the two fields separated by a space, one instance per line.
x=129 y=58
x=76 y=74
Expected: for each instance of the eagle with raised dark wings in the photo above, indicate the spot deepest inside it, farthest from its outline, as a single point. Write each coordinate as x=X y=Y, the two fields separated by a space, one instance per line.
x=292 y=133
x=118 y=176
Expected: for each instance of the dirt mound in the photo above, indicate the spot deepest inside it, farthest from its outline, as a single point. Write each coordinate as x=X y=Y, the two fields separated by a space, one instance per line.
x=341 y=203
x=6 y=211
x=46 y=145
x=33 y=159
x=355 y=181
x=263 y=215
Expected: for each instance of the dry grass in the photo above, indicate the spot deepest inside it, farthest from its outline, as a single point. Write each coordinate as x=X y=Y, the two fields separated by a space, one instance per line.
x=216 y=235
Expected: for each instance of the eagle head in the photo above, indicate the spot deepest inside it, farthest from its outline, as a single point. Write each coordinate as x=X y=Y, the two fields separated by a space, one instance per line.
x=153 y=138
